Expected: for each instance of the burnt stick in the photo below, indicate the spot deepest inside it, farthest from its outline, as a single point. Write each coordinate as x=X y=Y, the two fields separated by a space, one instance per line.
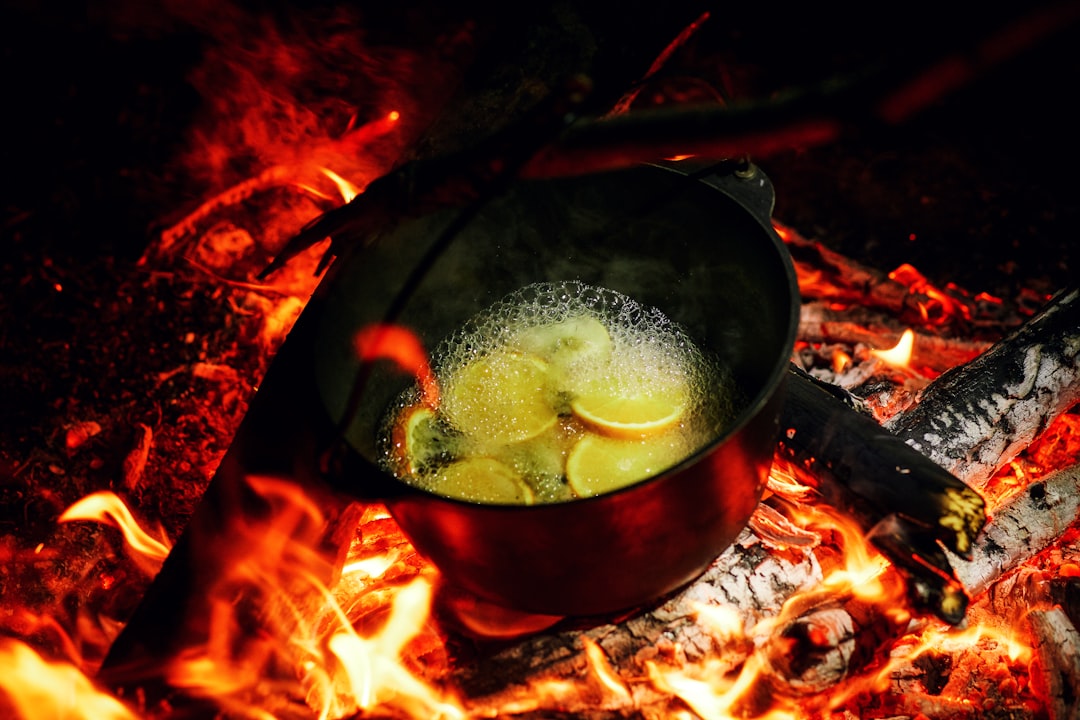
x=856 y=465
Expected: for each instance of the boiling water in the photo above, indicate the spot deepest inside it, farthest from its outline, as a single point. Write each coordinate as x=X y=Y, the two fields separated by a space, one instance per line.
x=524 y=387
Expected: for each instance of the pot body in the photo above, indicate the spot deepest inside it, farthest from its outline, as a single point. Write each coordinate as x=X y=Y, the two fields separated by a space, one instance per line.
x=700 y=249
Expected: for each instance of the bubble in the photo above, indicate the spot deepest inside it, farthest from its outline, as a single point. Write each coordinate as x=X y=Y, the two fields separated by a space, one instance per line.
x=528 y=356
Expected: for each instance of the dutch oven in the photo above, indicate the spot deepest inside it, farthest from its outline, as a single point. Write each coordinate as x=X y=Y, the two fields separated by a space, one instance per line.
x=692 y=240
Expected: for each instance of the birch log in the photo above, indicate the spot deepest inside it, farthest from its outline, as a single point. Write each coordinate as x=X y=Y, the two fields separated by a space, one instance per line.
x=977 y=417
x=1022 y=526
x=1057 y=646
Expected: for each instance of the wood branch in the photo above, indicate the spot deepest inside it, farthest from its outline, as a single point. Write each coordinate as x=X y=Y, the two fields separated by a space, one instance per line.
x=977 y=417
x=825 y=274
x=1057 y=646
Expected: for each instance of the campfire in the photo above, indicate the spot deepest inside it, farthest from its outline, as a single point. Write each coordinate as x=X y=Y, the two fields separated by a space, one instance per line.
x=839 y=599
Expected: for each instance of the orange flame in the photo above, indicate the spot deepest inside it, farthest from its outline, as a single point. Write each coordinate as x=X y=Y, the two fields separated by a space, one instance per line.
x=602 y=669
x=899 y=354
x=306 y=625
x=375 y=676
x=39 y=688
x=107 y=508
x=347 y=189
x=841 y=361
x=404 y=348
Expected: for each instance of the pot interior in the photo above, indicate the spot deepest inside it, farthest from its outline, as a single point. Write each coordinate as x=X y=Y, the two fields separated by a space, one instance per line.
x=654 y=234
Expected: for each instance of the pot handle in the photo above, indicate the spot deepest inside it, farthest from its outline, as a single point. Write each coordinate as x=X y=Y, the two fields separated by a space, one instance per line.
x=741 y=180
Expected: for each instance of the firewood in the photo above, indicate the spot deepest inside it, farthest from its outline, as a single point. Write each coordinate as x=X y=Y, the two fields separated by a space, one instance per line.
x=1022 y=526
x=977 y=417
x=831 y=276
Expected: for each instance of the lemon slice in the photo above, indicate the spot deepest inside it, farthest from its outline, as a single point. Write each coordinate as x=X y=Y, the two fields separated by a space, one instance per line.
x=598 y=464
x=630 y=412
x=481 y=480
x=580 y=339
x=500 y=398
x=419 y=437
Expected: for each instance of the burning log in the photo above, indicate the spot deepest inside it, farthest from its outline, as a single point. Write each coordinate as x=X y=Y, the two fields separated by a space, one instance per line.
x=818 y=322
x=977 y=417
x=1023 y=525
x=902 y=498
x=750 y=576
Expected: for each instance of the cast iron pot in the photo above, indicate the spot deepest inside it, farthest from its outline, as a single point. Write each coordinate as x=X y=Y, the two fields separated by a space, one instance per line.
x=694 y=243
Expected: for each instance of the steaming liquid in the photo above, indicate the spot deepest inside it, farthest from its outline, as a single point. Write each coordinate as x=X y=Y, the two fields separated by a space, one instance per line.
x=564 y=390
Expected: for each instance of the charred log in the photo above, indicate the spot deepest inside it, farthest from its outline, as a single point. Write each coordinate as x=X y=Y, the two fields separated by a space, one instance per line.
x=904 y=500
x=749 y=576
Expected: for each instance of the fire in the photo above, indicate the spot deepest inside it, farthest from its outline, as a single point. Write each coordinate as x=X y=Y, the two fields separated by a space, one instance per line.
x=899 y=354
x=106 y=507
x=347 y=189
x=33 y=687
x=603 y=671
x=310 y=624
x=376 y=679
x=291 y=635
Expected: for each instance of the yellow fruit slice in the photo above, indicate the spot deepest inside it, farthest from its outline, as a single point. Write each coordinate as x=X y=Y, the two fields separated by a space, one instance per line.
x=581 y=339
x=482 y=480
x=500 y=398
x=575 y=349
x=418 y=438
x=598 y=464
x=632 y=412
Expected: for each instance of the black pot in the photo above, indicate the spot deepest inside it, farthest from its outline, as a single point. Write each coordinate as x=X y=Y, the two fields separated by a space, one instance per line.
x=697 y=245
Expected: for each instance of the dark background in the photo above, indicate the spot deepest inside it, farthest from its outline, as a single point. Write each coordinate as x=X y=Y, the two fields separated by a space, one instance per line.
x=979 y=188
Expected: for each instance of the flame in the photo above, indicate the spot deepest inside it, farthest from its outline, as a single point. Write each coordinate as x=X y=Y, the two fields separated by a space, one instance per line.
x=376 y=677
x=308 y=624
x=899 y=354
x=347 y=189
x=841 y=361
x=39 y=688
x=404 y=348
x=936 y=306
x=107 y=508
x=722 y=621
x=602 y=669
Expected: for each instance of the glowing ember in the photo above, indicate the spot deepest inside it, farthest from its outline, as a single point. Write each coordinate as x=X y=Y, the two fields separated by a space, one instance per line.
x=935 y=305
